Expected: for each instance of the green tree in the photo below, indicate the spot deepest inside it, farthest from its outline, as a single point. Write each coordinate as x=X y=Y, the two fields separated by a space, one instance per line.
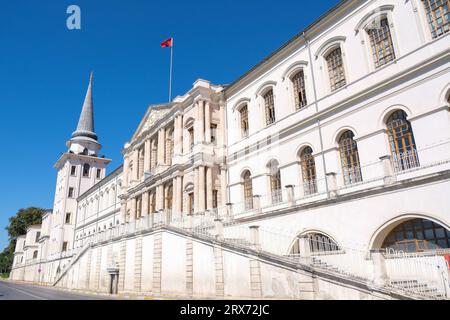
x=18 y=226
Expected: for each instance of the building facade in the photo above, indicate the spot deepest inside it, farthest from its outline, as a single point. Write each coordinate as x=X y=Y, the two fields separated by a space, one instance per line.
x=320 y=173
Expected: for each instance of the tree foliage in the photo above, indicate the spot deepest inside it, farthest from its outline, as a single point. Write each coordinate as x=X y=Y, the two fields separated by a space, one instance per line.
x=18 y=226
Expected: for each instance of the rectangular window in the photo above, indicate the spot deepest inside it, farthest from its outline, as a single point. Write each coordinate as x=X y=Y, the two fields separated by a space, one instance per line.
x=213 y=129
x=270 y=107
x=381 y=43
x=71 y=192
x=64 y=247
x=214 y=199
x=86 y=169
x=438 y=16
x=38 y=235
x=244 y=121
x=68 y=216
x=298 y=81
x=336 y=69
x=99 y=173
x=73 y=171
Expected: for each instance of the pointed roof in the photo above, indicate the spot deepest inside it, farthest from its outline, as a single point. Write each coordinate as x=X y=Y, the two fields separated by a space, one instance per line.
x=85 y=128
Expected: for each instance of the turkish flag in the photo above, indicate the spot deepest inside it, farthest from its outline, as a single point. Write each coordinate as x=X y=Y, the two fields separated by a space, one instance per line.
x=167 y=43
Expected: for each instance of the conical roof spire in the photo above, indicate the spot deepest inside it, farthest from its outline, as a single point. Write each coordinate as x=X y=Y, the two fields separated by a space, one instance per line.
x=85 y=128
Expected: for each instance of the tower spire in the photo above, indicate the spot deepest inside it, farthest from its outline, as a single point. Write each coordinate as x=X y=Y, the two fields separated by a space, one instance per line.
x=85 y=128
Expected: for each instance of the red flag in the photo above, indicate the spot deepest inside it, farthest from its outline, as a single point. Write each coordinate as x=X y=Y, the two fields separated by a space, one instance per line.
x=167 y=43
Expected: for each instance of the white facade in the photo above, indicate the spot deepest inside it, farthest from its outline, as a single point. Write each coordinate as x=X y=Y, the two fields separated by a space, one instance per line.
x=328 y=162
x=417 y=81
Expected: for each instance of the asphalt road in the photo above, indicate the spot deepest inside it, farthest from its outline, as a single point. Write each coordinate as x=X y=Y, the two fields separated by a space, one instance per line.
x=14 y=291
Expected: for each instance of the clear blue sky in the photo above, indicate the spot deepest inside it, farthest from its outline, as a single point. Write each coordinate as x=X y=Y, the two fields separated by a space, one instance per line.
x=44 y=71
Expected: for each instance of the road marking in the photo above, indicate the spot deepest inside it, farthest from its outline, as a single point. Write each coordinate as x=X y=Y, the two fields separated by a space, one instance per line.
x=24 y=292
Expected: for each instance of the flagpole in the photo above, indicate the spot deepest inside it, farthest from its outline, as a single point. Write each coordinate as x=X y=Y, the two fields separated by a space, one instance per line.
x=171 y=69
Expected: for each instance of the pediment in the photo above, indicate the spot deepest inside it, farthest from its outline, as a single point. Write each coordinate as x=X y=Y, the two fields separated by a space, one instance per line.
x=151 y=117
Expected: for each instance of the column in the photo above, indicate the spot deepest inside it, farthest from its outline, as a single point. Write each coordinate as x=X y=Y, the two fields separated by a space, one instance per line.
x=135 y=165
x=160 y=197
x=200 y=121
x=209 y=188
x=145 y=204
x=180 y=194
x=147 y=155
x=223 y=185
x=174 y=196
x=222 y=122
x=161 y=146
x=201 y=189
x=207 y=122
x=178 y=135
x=153 y=154
x=123 y=211
x=133 y=209
x=196 y=188
x=180 y=132
x=126 y=164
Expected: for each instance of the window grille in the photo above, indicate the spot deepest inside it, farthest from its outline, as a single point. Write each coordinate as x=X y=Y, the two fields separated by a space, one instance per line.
x=381 y=43
x=438 y=16
x=336 y=70
x=269 y=107
x=298 y=81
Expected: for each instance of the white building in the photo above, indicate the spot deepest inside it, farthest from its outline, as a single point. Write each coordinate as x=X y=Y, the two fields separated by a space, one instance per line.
x=320 y=173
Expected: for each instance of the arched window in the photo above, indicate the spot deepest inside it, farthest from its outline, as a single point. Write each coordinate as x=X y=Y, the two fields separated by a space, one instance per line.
x=35 y=254
x=417 y=235
x=316 y=243
x=169 y=197
x=169 y=147
x=191 y=138
x=244 y=120
x=86 y=169
x=348 y=150
x=308 y=171
x=248 y=190
x=269 y=106
x=381 y=42
x=402 y=143
x=298 y=83
x=275 y=181
x=438 y=16
x=336 y=70
x=152 y=202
